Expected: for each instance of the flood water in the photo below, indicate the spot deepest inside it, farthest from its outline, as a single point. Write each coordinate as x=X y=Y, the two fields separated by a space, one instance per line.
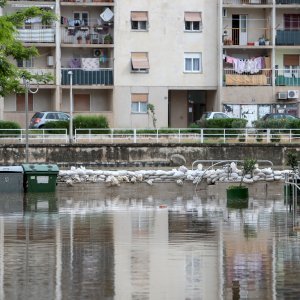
x=84 y=245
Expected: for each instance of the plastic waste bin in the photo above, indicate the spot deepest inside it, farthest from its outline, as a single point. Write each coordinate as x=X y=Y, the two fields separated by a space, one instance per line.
x=40 y=177
x=11 y=179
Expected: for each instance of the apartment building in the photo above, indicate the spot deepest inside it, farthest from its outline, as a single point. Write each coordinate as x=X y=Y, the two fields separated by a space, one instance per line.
x=183 y=57
x=123 y=55
x=260 y=57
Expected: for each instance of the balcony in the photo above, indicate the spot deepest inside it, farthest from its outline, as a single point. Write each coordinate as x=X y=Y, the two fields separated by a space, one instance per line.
x=41 y=71
x=37 y=34
x=287 y=37
x=93 y=31
x=86 y=2
x=262 y=78
x=287 y=1
x=286 y=77
x=88 y=71
x=250 y=2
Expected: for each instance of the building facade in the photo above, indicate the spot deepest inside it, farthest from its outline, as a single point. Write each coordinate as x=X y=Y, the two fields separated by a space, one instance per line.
x=183 y=58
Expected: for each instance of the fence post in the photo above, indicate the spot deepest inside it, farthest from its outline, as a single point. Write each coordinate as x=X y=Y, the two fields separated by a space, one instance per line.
x=290 y=135
x=134 y=135
x=156 y=135
x=246 y=136
x=201 y=136
x=112 y=135
x=179 y=137
x=268 y=136
x=90 y=138
x=224 y=135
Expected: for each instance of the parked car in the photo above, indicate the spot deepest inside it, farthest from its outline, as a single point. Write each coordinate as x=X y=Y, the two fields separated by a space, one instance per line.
x=213 y=115
x=40 y=118
x=278 y=116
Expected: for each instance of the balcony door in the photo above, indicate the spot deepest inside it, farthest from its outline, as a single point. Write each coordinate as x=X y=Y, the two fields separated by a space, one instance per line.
x=239 y=29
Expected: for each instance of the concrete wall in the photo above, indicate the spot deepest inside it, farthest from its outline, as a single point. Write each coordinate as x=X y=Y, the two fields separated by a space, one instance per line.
x=126 y=153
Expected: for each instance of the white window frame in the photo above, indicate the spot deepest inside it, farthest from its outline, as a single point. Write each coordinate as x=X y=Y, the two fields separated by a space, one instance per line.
x=141 y=101
x=192 y=26
x=139 y=110
x=80 y=13
x=193 y=56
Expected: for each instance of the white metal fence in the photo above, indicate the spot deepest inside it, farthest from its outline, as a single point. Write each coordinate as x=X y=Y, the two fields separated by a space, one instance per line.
x=163 y=135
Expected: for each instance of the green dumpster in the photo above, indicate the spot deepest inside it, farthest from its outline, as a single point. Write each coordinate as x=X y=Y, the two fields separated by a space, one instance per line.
x=40 y=177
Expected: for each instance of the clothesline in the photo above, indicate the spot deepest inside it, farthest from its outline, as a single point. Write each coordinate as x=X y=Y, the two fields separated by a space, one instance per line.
x=250 y=65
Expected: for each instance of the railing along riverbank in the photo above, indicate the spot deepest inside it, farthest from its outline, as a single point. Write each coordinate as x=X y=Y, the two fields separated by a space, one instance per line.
x=161 y=135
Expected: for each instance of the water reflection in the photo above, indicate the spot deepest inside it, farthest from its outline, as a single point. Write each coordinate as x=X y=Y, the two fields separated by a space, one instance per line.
x=79 y=245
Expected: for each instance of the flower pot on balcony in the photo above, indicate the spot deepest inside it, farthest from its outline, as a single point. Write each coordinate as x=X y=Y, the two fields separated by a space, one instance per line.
x=79 y=39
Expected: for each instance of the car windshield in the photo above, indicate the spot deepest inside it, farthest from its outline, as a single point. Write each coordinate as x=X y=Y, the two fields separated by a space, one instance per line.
x=37 y=115
x=206 y=115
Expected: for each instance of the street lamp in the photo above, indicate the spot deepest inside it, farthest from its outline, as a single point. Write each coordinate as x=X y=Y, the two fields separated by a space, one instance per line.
x=70 y=73
x=27 y=89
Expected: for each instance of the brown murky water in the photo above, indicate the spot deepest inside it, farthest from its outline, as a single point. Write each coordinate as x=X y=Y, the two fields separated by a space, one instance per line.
x=83 y=245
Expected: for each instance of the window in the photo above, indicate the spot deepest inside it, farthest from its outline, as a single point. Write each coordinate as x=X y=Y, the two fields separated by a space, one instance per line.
x=25 y=63
x=192 y=62
x=139 y=20
x=139 y=103
x=81 y=102
x=291 y=65
x=81 y=18
x=20 y=102
x=193 y=21
x=292 y=21
x=140 y=62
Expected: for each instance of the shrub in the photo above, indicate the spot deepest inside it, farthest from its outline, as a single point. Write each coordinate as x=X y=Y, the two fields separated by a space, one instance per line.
x=80 y=121
x=224 y=123
x=9 y=125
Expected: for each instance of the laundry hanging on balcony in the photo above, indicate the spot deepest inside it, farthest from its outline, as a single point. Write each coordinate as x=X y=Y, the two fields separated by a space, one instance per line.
x=33 y=20
x=107 y=15
x=251 y=66
x=90 y=63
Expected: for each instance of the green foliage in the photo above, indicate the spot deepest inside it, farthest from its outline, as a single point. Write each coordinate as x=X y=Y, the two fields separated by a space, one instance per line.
x=292 y=161
x=275 y=136
x=151 y=109
x=92 y=121
x=280 y=123
x=12 y=49
x=80 y=122
x=223 y=123
x=248 y=166
x=9 y=125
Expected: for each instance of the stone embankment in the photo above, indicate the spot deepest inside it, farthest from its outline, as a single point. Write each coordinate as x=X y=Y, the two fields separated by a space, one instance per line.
x=228 y=173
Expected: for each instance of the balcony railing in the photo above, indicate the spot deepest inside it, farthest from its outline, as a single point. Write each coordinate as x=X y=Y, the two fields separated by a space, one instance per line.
x=232 y=78
x=89 y=1
x=287 y=1
x=41 y=71
x=250 y=2
x=37 y=35
x=288 y=37
x=87 y=77
x=287 y=77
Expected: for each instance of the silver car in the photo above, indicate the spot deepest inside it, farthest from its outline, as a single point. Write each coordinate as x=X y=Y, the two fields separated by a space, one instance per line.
x=40 y=118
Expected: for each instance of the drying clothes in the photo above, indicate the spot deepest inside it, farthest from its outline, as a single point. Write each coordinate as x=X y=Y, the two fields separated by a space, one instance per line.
x=90 y=63
x=75 y=63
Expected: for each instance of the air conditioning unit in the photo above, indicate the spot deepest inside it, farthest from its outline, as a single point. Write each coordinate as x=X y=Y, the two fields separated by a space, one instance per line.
x=293 y=94
x=97 y=52
x=282 y=95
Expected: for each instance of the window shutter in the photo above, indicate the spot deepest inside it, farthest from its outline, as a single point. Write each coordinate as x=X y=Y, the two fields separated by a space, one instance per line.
x=291 y=60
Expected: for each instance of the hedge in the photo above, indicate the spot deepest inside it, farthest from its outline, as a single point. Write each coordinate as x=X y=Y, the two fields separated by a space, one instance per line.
x=9 y=125
x=79 y=122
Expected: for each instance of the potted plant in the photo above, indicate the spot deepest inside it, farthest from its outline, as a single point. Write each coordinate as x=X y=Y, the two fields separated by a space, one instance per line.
x=88 y=39
x=267 y=42
x=108 y=39
x=79 y=39
x=237 y=195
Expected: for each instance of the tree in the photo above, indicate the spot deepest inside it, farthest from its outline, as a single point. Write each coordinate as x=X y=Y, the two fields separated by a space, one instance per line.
x=12 y=49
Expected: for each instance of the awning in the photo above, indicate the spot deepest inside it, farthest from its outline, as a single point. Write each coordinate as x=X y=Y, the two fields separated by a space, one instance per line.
x=139 y=97
x=139 y=16
x=192 y=16
x=139 y=60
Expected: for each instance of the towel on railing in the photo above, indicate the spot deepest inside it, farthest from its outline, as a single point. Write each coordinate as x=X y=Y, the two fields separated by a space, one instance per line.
x=90 y=63
x=75 y=63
